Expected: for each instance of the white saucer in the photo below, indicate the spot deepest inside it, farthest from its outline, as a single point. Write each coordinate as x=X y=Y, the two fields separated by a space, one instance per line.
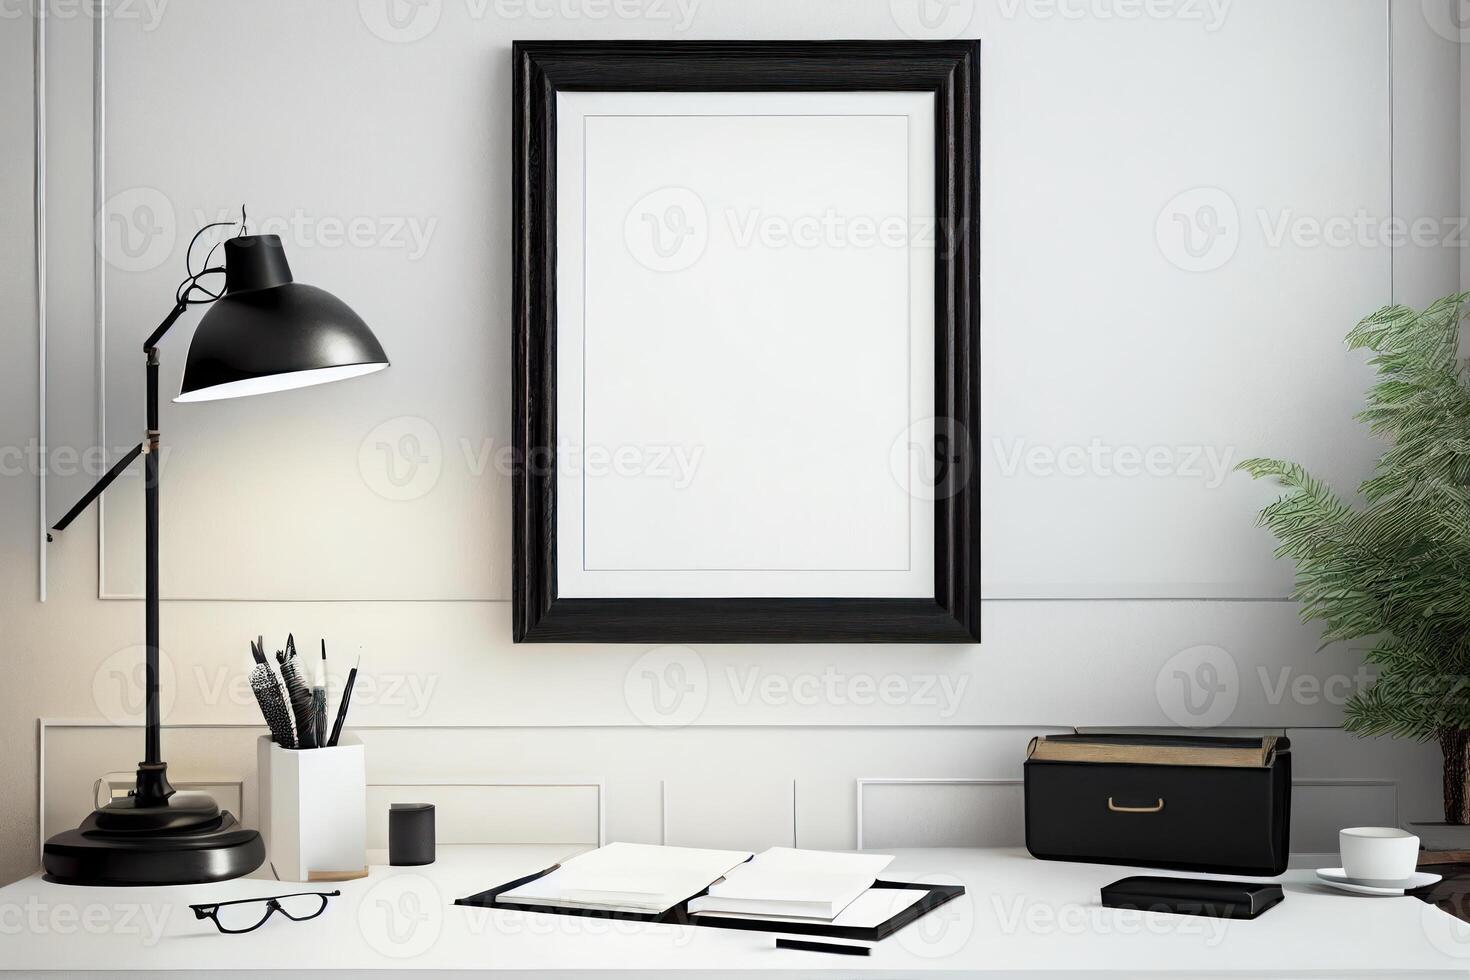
x=1337 y=878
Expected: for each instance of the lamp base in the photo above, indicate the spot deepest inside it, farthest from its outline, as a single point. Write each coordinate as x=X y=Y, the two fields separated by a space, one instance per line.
x=181 y=839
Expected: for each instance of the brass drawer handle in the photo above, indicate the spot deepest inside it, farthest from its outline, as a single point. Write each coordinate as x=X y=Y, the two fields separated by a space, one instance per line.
x=1135 y=809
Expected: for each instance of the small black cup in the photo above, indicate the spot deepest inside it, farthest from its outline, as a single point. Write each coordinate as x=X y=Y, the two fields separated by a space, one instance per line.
x=410 y=833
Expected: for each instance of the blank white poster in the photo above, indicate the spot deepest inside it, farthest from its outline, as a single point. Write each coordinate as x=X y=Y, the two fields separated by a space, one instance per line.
x=745 y=344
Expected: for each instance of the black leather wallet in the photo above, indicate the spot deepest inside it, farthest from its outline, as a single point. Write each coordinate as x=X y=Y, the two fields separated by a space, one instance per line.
x=1193 y=896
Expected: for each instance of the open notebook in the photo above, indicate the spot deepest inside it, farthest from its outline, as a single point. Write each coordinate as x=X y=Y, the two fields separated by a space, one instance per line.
x=627 y=878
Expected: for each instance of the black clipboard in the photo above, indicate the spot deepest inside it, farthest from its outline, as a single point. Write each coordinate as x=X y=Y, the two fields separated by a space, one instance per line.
x=680 y=915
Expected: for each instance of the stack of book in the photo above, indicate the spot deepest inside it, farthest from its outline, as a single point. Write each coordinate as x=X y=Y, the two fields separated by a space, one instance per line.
x=627 y=878
x=790 y=883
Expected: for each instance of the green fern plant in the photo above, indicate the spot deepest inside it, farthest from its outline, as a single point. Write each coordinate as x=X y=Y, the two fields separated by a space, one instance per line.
x=1395 y=571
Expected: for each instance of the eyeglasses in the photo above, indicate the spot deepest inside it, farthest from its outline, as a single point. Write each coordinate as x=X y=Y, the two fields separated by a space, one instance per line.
x=249 y=914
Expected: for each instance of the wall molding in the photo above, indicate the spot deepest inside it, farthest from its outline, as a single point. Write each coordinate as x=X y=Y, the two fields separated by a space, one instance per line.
x=866 y=781
x=99 y=260
x=38 y=122
x=599 y=786
x=699 y=789
x=663 y=811
x=245 y=781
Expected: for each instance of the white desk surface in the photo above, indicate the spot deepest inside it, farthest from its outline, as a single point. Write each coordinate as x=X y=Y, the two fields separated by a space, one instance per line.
x=1020 y=916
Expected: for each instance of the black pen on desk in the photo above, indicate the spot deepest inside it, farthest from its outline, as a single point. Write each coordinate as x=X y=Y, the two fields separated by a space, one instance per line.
x=815 y=947
x=342 y=707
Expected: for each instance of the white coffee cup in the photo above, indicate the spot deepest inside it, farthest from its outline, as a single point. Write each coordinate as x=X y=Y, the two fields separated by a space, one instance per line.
x=1378 y=853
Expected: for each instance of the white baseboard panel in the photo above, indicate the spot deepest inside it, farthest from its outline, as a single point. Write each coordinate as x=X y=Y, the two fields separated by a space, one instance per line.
x=940 y=813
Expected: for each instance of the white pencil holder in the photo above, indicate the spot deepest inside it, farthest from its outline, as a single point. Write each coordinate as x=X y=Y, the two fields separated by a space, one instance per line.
x=313 y=810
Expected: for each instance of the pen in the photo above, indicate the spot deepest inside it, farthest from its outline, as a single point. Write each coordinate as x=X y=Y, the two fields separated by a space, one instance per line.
x=342 y=707
x=814 y=947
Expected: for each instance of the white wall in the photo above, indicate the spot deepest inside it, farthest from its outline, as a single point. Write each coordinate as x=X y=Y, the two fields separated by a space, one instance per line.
x=1105 y=136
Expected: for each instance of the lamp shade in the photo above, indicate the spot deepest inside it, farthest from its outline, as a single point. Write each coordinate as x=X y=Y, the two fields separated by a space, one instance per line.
x=271 y=333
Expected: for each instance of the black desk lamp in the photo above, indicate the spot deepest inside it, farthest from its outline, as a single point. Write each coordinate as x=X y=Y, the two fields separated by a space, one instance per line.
x=264 y=333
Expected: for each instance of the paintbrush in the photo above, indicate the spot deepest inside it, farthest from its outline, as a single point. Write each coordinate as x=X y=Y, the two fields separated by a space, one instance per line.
x=319 y=700
x=272 y=703
x=300 y=695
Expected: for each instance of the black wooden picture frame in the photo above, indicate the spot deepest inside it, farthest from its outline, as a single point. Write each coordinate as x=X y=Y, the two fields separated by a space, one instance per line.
x=950 y=70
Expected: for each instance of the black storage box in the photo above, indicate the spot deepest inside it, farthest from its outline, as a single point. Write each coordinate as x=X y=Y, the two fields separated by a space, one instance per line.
x=1185 y=803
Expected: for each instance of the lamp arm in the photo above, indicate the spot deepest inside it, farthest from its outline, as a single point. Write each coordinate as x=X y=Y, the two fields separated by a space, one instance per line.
x=96 y=491
x=157 y=335
x=149 y=346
